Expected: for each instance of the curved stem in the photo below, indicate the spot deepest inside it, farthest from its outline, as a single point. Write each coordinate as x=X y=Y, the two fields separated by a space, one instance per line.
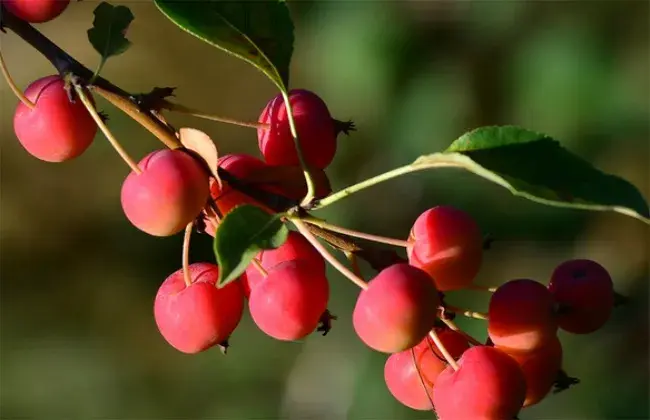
x=424 y=386
x=186 y=254
x=154 y=126
x=304 y=230
x=443 y=350
x=465 y=312
x=378 y=179
x=195 y=113
x=116 y=145
x=19 y=93
x=311 y=188
x=334 y=228
x=452 y=326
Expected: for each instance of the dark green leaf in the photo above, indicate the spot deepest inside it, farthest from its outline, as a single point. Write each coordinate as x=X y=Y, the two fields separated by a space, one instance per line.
x=108 y=34
x=535 y=166
x=243 y=232
x=259 y=32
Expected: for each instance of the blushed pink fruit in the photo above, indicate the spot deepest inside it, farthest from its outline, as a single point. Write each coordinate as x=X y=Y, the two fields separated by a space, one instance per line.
x=521 y=315
x=585 y=291
x=410 y=374
x=288 y=303
x=56 y=129
x=446 y=243
x=541 y=367
x=36 y=11
x=296 y=247
x=397 y=310
x=314 y=124
x=489 y=385
x=170 y=192
x=195 y=318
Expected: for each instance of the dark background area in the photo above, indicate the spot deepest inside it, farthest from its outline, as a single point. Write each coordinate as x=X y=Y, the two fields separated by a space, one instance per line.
x=78 y=339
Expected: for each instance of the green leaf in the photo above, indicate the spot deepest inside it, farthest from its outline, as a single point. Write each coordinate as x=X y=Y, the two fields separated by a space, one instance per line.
x=243 y=232
x=535 y=166
x=258 y=32
x=109 y=28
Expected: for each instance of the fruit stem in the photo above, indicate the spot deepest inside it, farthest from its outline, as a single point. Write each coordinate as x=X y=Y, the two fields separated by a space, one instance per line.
x=260 y=268
x=481 y=288
x=402 y=170
x=182 y=109
x=465 y=312
x=443 y=349
x=102 y=126
x=354 y=262
x=304 y=230
x=143 y=118
x=311 y=188
x=339 y=229
x=186 y=254
x=19 y=93
x=452 y=326
x=424 y=387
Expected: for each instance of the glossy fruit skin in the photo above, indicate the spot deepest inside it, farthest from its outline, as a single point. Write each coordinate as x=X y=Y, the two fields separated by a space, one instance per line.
x=296 y=247
x=193 y=319
x=287 y=305
x=314 y=124
x=227 y=198
x=170 y=192
x=489 y=385
x=36 y=11
x=540 y=367
x=56 y=130
x=586 y=290
x=397 y=310
x=401 y=369
x=446 y=243
x=521 y=315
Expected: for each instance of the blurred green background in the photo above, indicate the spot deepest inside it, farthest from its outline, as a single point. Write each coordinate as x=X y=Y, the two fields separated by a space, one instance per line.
x=78 y=336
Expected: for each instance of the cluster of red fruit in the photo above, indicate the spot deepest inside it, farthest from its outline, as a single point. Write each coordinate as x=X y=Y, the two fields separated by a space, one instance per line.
x=433 y=365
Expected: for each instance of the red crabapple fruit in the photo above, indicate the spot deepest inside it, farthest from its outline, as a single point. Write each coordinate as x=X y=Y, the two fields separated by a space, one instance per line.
x=36 y=11
x=226 y=197
x=170 y=192
x=410 y=374
x=488 y=384
x=585 y=291
x=314 y=124
x=296 y=247
x=446 y=243
x=196 y=317
x=289 y=181
x=540 y=367
x=521 y=315
x=288 y=304
x=55 y=130
x=397 y=310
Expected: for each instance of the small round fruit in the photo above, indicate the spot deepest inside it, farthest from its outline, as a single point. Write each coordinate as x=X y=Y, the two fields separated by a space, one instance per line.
x=288 y=303
x=196 y=317
x=36 y=11
x=296 y=247
x=521 y=315
x=397 y=310
x=55 y=130
x=489 y=385
x=170 y=192
x=446 y=243
x=314 y=124
x=410 y=374
x=585 y=291
x=540 y=367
